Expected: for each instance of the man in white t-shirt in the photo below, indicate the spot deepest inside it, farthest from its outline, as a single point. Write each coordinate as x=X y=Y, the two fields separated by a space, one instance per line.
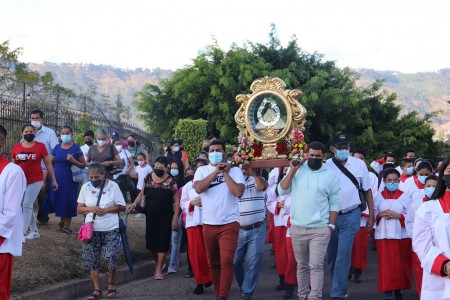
x=88 y=142
x=47 y=136
x=220 y=186
x=348 y=220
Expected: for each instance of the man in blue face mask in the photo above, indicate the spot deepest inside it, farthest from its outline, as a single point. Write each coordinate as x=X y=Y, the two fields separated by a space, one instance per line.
x=348 y=220
x=220 y=186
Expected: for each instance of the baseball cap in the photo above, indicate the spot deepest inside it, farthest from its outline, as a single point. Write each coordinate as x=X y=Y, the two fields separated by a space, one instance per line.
x=340 y=138
x=115 y=135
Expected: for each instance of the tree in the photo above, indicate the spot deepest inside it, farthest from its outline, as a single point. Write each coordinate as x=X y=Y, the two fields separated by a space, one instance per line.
x=207 y=89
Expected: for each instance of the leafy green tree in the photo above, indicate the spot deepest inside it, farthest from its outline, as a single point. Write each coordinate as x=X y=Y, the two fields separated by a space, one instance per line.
x=207 y=89
x=192 y=132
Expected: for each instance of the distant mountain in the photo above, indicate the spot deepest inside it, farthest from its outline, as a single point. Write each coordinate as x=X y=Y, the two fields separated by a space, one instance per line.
x=107 y=79
x=424 y=92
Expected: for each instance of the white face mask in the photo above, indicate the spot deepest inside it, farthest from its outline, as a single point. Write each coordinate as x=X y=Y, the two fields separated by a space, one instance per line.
x=36 y=124
x=101 y=143
x=119 y=148
x=141 y=162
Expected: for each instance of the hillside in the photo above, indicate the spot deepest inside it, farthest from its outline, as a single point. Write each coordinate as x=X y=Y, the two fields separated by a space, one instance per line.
x=424 y=92
x=108 y=80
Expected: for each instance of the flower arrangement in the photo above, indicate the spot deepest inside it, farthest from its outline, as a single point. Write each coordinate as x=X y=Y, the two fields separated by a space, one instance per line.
x=297 y=145
x=245 y=151
x=257 y=148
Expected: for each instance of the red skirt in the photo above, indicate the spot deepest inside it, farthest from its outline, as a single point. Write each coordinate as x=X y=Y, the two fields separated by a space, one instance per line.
x=418 y=272
x=197 y=254
x=6 y=268
x=291 y=267
x=360 y=248
x=279 y=241
x=394 y=264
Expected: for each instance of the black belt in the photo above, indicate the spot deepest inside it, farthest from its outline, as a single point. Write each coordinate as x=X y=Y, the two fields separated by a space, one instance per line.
x=253 y=226
x=344 y=213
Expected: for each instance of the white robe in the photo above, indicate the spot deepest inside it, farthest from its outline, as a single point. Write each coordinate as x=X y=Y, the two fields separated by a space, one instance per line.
x=391 y=229
x=272 y=202
x=193 y=218
x=431 y=237
x=12 y=187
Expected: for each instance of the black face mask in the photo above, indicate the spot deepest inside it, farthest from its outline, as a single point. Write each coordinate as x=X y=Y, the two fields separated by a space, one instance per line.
x=159 y=173
x=447 y=180
x=28 y=137
x=188 y=178
x=131 y=143
x=89 y=142
x=314 y=163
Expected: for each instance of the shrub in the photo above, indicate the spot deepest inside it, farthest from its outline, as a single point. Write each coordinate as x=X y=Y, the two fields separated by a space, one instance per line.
x=192 y=132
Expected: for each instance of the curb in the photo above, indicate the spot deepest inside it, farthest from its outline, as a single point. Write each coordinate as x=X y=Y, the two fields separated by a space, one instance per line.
x=78 y=288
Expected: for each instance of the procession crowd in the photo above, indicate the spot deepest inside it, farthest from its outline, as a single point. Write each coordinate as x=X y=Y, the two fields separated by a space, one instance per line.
x=315 y=212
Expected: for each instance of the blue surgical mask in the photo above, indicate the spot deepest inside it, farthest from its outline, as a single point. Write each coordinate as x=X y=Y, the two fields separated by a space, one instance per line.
x=342 y=154
x=422 y=179
x=429 y=191
x=66 y=138
x=215 y=157
x=176 y=149
x=392 y=187
x=174 y=172
x=410 y=171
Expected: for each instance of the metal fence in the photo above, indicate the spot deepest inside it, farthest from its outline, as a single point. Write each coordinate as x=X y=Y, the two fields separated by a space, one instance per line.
x=14 y=112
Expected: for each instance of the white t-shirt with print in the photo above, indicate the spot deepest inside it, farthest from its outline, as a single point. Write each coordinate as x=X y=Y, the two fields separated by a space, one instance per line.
x=219 y=205
x=142 y=172
x=111 y=196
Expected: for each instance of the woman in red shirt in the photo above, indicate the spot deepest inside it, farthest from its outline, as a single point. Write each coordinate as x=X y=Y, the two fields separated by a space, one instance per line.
x=28 y=155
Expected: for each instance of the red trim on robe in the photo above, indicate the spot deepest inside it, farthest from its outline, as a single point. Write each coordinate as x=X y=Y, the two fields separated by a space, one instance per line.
x=291 y=267
x=444 y=200
x=2 y=239
x=391 y=195
x=402 y=220
x=419 y=184
x=277 y=209
x=360 y=249
x=403 y=177
x=418 y=273
x=438 y=264
x=191 y=207
x=426 y=198
x=289 y=222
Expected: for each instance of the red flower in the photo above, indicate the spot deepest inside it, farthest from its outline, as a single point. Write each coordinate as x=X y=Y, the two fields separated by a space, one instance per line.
x=281 y=147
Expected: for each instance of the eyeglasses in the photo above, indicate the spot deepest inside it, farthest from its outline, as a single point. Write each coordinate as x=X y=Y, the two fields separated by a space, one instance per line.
x=393 y=181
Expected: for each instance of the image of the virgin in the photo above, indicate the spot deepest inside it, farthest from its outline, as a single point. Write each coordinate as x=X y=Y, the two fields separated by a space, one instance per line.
x=270 y=116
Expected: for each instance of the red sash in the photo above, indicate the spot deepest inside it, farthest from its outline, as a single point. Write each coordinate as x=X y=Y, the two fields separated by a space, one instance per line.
x=387 y=195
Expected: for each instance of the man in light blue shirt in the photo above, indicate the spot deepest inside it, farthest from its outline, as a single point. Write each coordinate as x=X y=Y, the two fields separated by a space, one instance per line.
x=314 y=209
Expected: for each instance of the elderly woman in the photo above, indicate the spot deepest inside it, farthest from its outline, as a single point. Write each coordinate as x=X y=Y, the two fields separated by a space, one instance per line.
x=431 y=240
x=106 y=236
x=63 y=202
x=162 y=207
x=104 y=153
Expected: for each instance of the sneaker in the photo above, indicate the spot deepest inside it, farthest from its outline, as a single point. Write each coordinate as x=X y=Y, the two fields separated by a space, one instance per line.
x=33 y=235
x=171 y=269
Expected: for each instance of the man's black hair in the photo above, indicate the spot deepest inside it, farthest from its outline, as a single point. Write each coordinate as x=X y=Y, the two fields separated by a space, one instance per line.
x=89 y=133
x=38 y=111
x=218 y=142
x=317 y=146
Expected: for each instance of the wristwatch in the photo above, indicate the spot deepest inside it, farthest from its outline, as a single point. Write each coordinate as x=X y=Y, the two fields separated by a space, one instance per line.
x=332 y=226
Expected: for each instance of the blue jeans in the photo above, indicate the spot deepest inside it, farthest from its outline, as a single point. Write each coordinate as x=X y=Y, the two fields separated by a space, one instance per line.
x=249 y=250
x=339 y=251
x=175 y=245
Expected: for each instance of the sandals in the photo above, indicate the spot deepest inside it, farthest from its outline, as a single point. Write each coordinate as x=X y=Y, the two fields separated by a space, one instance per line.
x=97 y=294
x=112 y=293
x=158 y=277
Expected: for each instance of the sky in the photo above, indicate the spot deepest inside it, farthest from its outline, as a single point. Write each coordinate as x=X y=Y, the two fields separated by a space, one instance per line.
x=406 y=36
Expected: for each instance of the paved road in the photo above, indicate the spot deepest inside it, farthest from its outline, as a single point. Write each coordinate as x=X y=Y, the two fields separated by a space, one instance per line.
x=175 y=286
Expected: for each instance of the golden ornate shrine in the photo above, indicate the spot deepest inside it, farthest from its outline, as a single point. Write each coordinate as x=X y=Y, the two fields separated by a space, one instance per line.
x=270 y=114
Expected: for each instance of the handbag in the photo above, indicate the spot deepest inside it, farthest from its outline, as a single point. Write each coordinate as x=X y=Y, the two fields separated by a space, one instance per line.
x=87 y=229
x=361 y=192
x=78 y=174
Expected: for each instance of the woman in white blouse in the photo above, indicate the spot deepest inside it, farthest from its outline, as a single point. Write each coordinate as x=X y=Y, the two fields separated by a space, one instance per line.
x=106 y=234
x=431 y=238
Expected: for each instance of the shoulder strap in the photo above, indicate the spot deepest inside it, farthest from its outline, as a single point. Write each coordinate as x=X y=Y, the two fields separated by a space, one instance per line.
x=99 y=196
x=346 y=172
x=112 y=152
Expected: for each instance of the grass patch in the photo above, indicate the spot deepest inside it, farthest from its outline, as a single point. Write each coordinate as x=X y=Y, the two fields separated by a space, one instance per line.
x=56 y=257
